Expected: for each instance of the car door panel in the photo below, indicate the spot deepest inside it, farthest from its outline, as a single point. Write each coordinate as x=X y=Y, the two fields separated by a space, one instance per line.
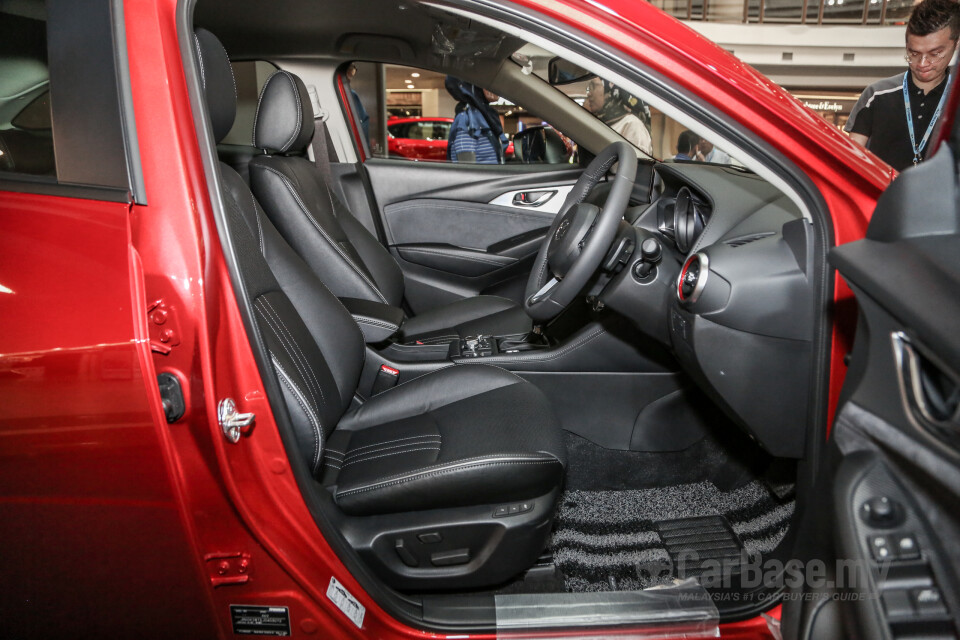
x=893 y=462
x=451 y=239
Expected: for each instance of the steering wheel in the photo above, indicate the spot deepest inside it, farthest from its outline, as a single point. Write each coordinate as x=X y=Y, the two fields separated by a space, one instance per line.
x=580 y=235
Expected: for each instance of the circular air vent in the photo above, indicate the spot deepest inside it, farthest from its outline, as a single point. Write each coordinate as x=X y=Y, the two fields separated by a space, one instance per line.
x=693 y=277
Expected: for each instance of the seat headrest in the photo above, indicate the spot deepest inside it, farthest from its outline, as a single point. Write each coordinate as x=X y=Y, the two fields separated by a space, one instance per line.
x=216 y=78
x=284 y=120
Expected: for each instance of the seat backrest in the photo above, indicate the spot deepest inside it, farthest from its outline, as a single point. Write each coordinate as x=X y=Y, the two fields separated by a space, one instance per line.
x=339 y=249
x=315 y=346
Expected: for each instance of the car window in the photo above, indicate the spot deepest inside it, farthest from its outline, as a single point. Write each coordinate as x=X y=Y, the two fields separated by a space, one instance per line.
x=439 y=118
x=26 y=135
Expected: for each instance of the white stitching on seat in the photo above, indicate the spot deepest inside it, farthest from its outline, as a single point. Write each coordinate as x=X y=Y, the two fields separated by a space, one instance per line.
x=256 y=214
x=314 y=421
x=438 y=471
x=353 y=455
x=387 y=455
x=378 y=444
x=296 y=94
x=203 y=75
x=303 y=356
x=256 y=115
x=301 y=363
x=296 y=196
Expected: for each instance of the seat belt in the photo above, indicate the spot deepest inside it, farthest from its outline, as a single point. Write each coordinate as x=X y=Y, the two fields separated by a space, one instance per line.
x=322 y=143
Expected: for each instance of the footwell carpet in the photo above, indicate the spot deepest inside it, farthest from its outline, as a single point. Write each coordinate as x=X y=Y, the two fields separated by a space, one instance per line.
x=624 y=540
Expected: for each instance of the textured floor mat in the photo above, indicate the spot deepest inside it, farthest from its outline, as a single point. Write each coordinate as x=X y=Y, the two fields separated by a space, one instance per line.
x=620 y=540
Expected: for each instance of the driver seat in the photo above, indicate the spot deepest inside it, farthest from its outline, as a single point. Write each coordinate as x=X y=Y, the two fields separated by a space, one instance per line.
x=340 y=251
x=449 y=480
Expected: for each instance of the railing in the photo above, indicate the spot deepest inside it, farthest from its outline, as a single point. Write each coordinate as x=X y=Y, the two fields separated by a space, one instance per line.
x=867 y=12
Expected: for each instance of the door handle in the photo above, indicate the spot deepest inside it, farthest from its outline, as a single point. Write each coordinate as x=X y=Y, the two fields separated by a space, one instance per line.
x=533 y=198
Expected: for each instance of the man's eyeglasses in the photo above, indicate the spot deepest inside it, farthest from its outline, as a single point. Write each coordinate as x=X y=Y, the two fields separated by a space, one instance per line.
x=915 y=57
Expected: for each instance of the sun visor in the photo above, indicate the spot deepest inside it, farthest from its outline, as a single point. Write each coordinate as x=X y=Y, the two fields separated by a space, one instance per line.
x=459 y=42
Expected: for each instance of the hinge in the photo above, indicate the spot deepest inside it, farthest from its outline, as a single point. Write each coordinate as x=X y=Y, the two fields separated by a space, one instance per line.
x=228 y=568
x=164 y=328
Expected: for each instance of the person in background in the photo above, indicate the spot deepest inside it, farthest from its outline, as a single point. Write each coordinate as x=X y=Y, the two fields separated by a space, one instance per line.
x=895 y=117
x=612 y=105
x=687 y=146
x=707 y=152
x=476 y=134
x=362 y=115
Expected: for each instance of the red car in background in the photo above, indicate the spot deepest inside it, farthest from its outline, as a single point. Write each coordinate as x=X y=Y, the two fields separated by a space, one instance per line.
x=154 y=479
x=418 y=138
x=422 y=138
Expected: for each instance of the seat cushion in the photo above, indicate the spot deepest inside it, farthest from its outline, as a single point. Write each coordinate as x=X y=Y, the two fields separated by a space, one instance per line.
x=462 y=436
x=487 y=315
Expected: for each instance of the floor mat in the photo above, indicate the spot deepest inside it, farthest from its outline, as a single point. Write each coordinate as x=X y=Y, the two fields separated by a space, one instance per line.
x=624 y=540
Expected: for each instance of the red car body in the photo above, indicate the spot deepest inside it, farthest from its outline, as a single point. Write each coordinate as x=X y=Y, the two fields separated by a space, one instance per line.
x=430 y=146
x=117 y=524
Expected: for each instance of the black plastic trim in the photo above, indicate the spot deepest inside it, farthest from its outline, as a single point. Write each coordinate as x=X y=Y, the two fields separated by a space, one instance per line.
x=84 y=101
x=127 y=117
x=24 y=183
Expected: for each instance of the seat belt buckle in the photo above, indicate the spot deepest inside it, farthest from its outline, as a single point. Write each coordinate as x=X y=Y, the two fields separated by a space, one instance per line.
x=387 y=378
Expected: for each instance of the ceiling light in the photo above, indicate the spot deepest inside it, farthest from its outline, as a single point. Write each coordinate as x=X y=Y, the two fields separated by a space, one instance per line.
x=414 y=75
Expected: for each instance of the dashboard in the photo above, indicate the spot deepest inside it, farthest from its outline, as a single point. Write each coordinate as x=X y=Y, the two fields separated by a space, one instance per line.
x=731 y=294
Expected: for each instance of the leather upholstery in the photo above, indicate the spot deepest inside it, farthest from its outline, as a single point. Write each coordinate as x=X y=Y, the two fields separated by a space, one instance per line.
x=284 y=117
x=484 y=432
x=219 y=87
x=487 y=435
x=377 y=321
x=311 y=219
x=489 y=315
x=346 y=257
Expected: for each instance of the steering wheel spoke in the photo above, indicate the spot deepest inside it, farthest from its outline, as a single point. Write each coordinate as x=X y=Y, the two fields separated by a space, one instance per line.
x=580 y=237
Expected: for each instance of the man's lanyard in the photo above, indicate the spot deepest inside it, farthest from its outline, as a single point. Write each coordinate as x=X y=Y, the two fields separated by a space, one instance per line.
x=917 y=150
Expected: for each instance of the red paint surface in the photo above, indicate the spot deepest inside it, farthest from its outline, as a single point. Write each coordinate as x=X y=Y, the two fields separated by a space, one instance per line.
x=105 y=506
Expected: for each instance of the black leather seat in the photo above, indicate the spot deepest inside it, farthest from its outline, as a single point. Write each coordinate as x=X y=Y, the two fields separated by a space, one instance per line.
x=340 y=250
x=420 y=473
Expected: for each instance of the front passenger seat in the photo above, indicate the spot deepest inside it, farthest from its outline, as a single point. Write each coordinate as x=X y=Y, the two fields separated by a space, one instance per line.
x=448 y=480
x=340 y=250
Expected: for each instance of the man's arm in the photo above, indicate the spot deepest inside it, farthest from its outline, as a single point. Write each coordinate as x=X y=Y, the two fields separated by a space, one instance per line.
x=859 y=138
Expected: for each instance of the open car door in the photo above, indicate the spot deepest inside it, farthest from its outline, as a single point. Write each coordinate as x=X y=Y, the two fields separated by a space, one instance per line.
x=882 y=556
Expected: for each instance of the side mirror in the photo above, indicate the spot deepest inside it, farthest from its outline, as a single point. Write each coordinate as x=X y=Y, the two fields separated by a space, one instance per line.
x=540 y=144
x=560 y=71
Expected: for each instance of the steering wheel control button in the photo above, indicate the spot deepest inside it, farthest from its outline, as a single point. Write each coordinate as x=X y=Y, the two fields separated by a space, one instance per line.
x=928 y=601
x=906 y=547
x=882 y=512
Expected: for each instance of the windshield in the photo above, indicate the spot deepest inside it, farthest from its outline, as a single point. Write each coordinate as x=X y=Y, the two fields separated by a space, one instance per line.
x=643 y=126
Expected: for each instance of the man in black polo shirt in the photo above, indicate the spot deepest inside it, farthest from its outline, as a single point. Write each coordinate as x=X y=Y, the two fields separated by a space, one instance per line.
x=895 y=117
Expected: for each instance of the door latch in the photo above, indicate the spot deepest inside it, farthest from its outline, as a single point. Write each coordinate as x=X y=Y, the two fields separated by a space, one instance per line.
x=233 y=424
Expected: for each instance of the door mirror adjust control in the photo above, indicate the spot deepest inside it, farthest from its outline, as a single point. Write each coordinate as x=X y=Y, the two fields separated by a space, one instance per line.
x=882 y=512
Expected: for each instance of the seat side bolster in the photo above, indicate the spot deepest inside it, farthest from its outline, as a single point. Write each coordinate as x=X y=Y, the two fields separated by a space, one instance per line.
x=482 y=480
